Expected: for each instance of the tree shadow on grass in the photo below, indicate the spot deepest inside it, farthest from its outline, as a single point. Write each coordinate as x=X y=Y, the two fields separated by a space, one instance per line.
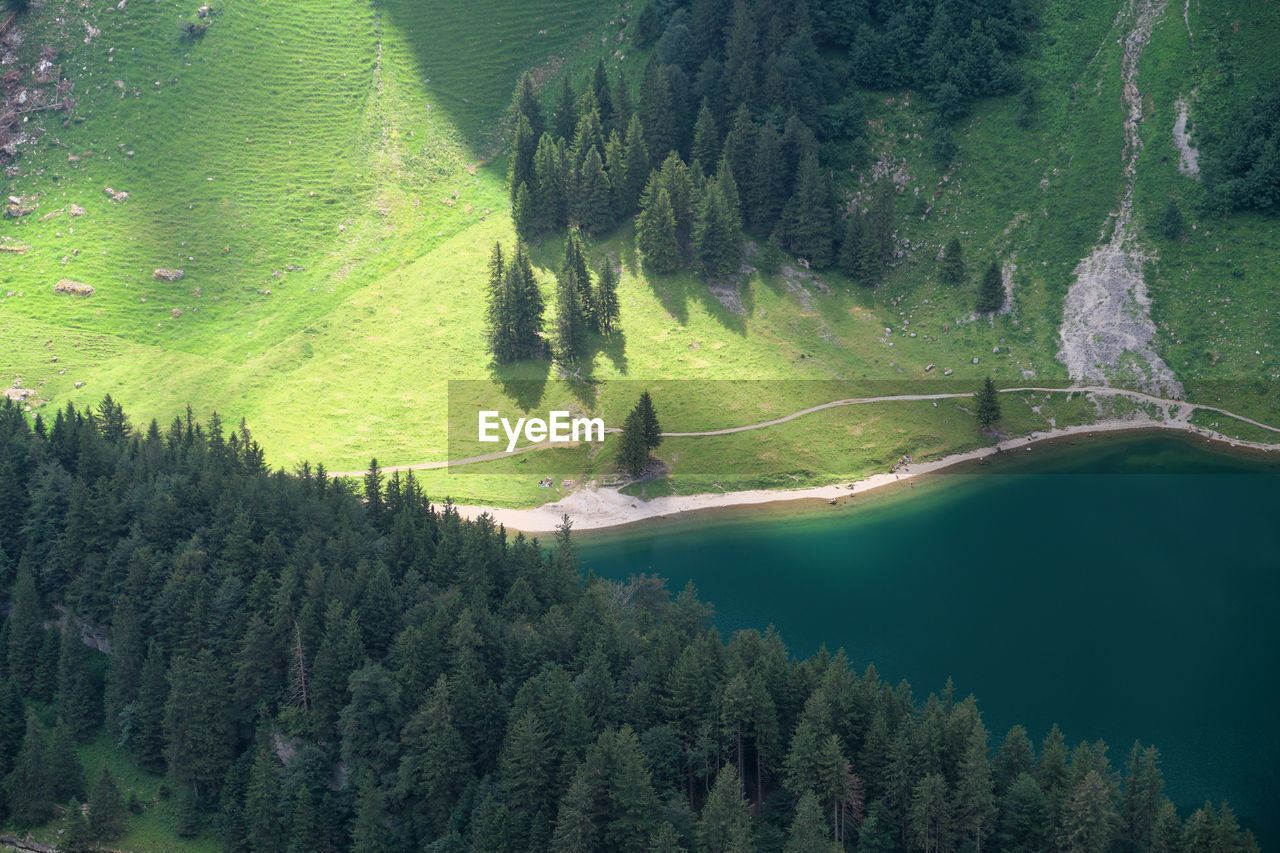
x=524 y=382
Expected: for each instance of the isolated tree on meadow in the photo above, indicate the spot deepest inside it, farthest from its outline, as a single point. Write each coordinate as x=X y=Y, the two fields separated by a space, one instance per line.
x=641 y=433
x=987 y=404
x=952 y=268
x=991 y=291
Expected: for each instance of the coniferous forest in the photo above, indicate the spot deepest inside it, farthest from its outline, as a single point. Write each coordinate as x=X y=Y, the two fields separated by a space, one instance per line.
x=317 y=664
x=744 y=113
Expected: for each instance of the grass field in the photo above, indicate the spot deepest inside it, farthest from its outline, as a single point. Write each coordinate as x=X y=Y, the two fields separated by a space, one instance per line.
x=332 y=182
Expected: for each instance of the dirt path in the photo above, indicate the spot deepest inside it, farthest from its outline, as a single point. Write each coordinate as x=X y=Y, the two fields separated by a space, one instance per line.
x=1106 y=323
x=1177 y=411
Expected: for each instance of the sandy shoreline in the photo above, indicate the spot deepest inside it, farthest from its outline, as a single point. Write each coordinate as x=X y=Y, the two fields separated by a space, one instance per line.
x=599 y=508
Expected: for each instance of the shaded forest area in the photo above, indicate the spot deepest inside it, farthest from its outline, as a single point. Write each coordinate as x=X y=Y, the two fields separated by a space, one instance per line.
x=366 y=671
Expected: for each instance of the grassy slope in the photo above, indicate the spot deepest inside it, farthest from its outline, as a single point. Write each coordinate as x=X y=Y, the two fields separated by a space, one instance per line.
x=376 y=280
x=1213 y=291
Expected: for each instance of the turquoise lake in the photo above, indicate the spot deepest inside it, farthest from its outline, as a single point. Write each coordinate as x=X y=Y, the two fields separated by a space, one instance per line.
x=1125 y=588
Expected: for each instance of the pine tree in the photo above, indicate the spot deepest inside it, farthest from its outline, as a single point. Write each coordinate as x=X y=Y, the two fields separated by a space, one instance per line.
x=656 y=234
x=649 y=418
x=991 y=291
x=566 y=112
x=199 y=735
x=26 y=632
x=716 y=242
x=262 y=796
x=637 y=165
x=29 y=787
x=633 y=453
x=575 y=263
x=64 y=766
x=987 y=404
x=706 y=140
x=527 y=306
x=804 y=229
x=79 y=699
x=725 y=823
x=1025 y=825
x=1089 y=819
x=1142 y=797
x=1171 y=221
x=523 y=214
x=106 y=807
x=526 y=105
x=607 y=307
x=434 y=768
x=930 y=816
x=952 y=270
x=549 y=205
x=809 y=831
x=571 y=321
x=370 y=833
x=522 y=158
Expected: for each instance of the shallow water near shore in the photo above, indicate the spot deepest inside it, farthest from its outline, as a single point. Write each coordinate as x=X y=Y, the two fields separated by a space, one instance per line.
x=1124 y=588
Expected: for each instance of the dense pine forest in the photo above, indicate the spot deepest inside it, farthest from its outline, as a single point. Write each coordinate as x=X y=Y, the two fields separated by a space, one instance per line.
x=744 y=114
x=316 y=664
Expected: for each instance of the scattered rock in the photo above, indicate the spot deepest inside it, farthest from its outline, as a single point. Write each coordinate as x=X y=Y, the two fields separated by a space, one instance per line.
x=175 y=312
x=947 y=372
x=115 y=196
x=975 y=361
x=76 y=210
x=928 y=367
x=18 y=394
x=19 y=206
x=168 y=275
x=79 y=288
x=79 y=384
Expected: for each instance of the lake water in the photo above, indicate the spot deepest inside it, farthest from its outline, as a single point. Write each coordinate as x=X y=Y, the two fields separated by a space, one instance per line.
x=1125 y=588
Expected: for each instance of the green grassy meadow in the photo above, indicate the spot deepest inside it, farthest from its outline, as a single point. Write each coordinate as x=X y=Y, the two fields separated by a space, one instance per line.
x=331 y=183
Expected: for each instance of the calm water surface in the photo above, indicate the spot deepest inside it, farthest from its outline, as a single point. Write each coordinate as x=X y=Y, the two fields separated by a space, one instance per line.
x=1125 y=589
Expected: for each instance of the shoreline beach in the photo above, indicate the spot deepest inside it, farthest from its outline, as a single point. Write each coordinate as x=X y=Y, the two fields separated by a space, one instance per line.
x=595 y=508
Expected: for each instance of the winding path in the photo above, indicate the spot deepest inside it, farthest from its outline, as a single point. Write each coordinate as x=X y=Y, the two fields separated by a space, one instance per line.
x=1183 y=407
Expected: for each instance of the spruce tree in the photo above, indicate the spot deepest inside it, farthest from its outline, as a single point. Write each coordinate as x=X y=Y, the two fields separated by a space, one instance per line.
x=262 y=799
x=991 y=291
x=1025 y=825
x=606 y=307
x=522 y=158
x=656 y=234
x=809 y=831
x=649 y=419
x=1089 y=820
x=633 y=453
x=64 y=766
x=79 y=699
x=434 y=767
x=804 y=228
x=370 y=833
x=526 y=105
x=952 y=270
x=549 y=206
x=987 y=404
x=29 y=786
x=566 y=112
x=144 y=731
x=706 y=140
x=725 y=823
x=106 y=807
x=523 y=215
x=527 y=306
x=716 y=243
x=571 y=321
x=637 y=165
